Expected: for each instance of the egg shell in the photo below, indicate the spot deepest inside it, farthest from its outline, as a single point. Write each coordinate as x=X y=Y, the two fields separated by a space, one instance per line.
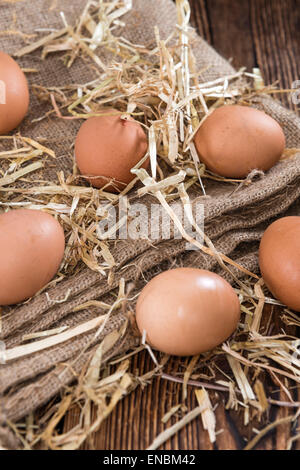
x=279 y=260
x=186 y=311
x=234 y=140
x=110 y=146
x=14 y=94
x=32 y=245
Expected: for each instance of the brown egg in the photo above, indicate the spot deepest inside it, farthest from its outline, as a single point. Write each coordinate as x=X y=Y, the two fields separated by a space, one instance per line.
x=107 y=147
x=14 y=94
x=31 y=249
x=187 y=311
x=234 y=140
x=279 y=260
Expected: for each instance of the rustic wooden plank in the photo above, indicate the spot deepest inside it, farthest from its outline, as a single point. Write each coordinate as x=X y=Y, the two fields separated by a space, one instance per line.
x=199 y=19
x=225 y=440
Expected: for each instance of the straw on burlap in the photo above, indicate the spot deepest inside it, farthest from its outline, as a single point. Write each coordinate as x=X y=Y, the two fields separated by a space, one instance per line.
x=233 y=221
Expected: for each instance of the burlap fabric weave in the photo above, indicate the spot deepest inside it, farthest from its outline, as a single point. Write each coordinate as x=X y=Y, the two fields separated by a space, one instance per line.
x=233 y=221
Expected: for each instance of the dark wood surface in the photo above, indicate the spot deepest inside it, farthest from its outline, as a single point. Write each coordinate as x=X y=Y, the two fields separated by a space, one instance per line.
x=252 y=33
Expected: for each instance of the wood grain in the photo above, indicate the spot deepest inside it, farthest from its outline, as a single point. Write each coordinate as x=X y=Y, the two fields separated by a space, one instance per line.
x=253 y=33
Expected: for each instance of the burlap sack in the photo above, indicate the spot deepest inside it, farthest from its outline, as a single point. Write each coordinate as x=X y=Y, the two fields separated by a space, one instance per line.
x=233 y=221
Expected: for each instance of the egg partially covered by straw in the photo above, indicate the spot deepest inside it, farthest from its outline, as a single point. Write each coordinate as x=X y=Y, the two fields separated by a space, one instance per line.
x=107 y=147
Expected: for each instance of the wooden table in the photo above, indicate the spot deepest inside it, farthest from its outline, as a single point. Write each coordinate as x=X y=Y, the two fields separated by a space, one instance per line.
x=253 y=33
